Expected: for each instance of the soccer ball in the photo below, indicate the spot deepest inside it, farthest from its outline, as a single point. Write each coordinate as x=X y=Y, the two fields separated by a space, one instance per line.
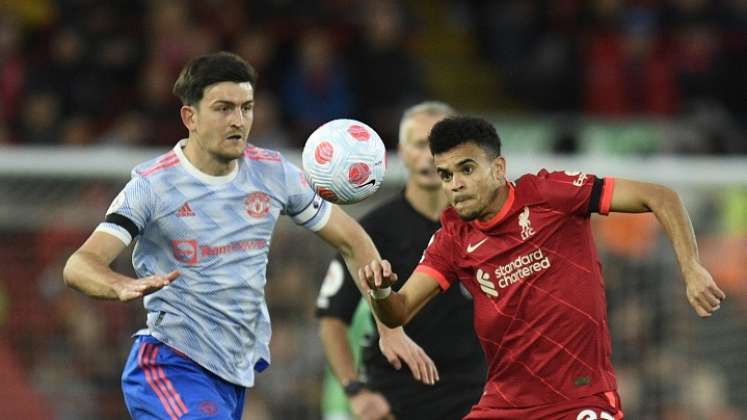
x=344 y=161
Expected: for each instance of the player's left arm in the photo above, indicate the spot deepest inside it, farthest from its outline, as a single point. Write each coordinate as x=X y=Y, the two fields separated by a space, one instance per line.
x=638 y=197
x=348 y=237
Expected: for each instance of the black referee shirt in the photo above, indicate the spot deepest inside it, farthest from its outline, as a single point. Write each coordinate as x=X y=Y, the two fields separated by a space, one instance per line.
x=443 y=328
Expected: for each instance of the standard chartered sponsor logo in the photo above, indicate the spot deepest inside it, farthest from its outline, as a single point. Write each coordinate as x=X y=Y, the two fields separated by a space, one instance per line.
x=521 y=267
x=487 y=286
x=515 y=271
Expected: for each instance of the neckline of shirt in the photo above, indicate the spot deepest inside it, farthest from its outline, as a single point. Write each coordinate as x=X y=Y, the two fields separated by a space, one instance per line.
x=202 y=176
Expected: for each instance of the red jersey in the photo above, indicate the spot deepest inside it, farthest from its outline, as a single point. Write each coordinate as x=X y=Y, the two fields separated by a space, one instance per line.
x=540 y=310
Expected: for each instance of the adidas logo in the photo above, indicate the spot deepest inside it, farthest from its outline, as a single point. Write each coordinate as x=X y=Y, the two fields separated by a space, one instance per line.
x=185 y=210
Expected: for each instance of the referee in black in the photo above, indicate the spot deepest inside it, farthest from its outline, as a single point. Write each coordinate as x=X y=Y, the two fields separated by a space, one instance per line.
x=401 y=229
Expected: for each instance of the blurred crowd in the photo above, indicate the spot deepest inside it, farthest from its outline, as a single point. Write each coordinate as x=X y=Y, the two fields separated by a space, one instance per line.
x=80 y=72
x=89 y=72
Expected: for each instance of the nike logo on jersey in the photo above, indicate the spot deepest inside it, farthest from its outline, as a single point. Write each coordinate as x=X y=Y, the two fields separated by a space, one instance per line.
x=471 y=247
x=371 y=182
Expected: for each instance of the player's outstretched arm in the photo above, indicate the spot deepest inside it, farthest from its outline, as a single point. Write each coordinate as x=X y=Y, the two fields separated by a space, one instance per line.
x=637 y=197
x=88 y=271
x=349 y=238
x=397 y=308
x=357 y=249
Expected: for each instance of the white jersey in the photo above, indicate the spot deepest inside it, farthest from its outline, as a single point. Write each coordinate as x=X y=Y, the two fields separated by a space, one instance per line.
x=216 y=231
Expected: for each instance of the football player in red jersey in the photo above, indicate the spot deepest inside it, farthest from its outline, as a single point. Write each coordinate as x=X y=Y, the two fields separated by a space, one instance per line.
x=525 y=251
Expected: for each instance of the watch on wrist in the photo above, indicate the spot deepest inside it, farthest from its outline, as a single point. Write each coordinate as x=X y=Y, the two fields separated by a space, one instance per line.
x=353 y=387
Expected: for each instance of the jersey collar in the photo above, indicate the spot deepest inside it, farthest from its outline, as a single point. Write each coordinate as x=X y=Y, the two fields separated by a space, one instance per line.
x=202 y=176
x=501 y=214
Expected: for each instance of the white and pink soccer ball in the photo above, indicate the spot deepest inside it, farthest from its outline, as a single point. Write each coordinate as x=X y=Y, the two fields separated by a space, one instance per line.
x=344 y=161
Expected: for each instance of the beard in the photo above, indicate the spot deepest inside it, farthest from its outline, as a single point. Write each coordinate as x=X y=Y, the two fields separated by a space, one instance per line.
x=467 y=215
x=226 y=155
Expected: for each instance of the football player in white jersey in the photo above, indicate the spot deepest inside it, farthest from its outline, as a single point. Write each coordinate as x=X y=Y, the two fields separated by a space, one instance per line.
x=203 y=215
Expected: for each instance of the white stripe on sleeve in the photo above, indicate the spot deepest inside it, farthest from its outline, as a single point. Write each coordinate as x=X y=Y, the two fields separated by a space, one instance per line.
x=115 y=230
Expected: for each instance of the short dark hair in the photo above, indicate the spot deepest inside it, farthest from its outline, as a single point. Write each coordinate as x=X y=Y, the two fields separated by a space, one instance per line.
x=454 y=131
x=208 y=69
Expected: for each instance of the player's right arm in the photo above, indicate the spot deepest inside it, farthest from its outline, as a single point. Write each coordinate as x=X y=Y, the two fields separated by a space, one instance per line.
x=88 y=271
x=397 y=308
x=433 y=274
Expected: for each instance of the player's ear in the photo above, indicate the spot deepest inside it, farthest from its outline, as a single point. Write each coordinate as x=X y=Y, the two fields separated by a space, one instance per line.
x=189 y=116
x=499 y=169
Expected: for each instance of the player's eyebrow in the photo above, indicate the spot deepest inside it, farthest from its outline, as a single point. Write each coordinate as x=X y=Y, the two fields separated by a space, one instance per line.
x=227 y=102
x=464 y=161
x=459 y=164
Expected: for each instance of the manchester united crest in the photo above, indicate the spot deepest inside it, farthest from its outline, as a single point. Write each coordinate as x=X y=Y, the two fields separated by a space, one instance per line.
x=257 y=204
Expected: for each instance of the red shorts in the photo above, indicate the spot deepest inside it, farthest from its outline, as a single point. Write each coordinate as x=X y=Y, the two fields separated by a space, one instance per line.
x=602 y=406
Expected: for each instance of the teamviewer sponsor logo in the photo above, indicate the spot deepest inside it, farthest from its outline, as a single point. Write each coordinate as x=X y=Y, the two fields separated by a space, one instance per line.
x=211 y=251
x=188 y=251
x=520 y=268
x=185 y=251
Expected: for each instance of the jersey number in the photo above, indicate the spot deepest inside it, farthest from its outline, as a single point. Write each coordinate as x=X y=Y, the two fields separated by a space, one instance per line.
x=592 y=415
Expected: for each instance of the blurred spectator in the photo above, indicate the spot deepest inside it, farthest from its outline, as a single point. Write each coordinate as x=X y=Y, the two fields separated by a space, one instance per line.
x=734 y=45
x=12 y=68
x=628 y=68
x=77 y=131
x=129 y=129
x=175 y=37
x=550 y=63
x=697 y=62
x=385 y=77
x=71 y=74
x=159 y=106
x=226 y=19
x=267 y=130
x=317 y=86
x=41 y=118
x=259 y=48
x=507 y=30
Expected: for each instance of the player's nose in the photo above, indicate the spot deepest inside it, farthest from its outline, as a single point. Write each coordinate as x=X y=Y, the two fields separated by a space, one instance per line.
x=456 y=183
x=238 y=119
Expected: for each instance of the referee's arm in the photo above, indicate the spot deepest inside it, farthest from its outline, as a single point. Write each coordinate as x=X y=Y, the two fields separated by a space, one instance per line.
x=336 y=305
x=333 y=333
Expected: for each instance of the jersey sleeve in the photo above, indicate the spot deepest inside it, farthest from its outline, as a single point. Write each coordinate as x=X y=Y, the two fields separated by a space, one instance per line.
x=304 y=206
x=130 y=211
x=339 y=296
x=438 y=259
x=576 y=193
